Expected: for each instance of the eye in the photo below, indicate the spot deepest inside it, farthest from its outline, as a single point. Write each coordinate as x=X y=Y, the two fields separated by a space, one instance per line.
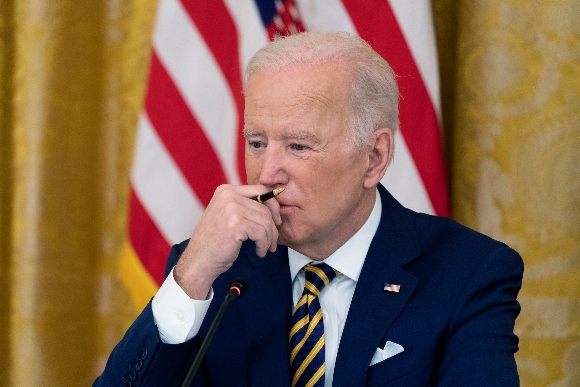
x=299 y=147
x=255 y=144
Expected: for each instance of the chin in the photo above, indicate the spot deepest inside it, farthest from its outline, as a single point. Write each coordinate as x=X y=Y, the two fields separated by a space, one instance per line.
x=290 y=239
x=283 y=240
x=284 y=237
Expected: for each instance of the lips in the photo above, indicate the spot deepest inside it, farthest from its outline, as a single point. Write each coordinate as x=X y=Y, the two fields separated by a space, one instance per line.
x=282 y=202
x=287 y=207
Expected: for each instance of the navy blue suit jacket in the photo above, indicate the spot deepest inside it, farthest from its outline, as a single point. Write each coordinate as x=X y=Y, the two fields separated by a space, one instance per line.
x=454 y=316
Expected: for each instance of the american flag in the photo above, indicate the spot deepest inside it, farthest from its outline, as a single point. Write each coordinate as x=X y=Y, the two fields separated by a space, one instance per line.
x=392 y=288
x=189 y=135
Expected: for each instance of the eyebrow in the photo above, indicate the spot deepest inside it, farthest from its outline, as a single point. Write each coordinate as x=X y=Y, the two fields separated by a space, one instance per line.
x=298 y=136
x=302 y=135
x=251 y=133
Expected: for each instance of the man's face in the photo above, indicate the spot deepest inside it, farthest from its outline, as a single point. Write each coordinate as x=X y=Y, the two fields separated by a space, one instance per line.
x=296 y=127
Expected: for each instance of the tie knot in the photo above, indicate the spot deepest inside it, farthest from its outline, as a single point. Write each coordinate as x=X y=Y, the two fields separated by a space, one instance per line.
x=317 y=277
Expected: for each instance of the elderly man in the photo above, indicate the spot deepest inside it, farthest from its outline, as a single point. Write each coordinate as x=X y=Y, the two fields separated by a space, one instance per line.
x=344 y=285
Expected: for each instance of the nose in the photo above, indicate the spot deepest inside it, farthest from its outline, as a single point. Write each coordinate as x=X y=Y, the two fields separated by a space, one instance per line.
x=273 y=169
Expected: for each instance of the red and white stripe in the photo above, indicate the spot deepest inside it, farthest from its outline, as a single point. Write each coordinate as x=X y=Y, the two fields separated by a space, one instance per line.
x=189 y=136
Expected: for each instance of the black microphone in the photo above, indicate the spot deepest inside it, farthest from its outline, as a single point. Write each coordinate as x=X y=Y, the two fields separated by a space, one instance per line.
x=236 y=290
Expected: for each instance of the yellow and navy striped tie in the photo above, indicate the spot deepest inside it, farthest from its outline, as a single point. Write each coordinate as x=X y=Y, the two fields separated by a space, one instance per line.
x=307 y=333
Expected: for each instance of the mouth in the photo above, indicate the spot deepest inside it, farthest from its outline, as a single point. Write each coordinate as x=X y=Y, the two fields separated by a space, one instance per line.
x=286 y=209
x=286 y=203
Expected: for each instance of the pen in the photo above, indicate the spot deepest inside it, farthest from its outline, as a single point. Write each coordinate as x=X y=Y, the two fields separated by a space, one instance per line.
x=268 y=195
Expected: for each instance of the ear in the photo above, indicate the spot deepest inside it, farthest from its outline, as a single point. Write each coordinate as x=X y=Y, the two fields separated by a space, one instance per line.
x=380 y=153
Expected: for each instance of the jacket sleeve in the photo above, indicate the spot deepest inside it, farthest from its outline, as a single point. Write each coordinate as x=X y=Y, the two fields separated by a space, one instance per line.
x=142 y=359
x=480 y=345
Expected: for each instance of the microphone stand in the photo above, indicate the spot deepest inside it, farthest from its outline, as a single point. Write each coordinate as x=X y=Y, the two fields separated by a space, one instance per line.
x=236 y=290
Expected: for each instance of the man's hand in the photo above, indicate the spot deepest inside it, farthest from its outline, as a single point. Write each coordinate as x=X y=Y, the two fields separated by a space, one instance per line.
x=229 y=219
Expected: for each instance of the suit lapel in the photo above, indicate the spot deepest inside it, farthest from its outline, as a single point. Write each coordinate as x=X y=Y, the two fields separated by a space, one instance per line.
x=373 y=309
x=266 y=310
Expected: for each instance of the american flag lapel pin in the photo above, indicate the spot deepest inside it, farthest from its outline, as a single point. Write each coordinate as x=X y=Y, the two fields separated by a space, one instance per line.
x=392 y=288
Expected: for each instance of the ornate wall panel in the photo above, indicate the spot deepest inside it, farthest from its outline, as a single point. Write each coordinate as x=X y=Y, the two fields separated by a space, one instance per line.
x=515 y=164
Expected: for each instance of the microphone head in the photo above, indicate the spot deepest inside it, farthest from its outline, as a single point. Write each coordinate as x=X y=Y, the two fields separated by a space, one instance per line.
x=238 y=286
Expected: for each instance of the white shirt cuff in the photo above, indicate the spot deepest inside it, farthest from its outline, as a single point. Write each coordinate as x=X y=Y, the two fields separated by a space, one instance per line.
x=178 y=317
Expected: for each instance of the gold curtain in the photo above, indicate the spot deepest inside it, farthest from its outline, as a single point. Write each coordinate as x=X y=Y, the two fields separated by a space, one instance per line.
x=514 y=159
x=72 y=81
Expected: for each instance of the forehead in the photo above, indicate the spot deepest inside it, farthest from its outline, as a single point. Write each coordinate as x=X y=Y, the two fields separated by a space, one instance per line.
x=301 y=92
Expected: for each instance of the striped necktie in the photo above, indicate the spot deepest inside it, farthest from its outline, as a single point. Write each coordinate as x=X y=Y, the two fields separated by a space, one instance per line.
x=307 y=334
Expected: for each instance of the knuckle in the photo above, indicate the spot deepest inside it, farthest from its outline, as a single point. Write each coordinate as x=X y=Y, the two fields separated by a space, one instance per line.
x=233 y=221
x=231 y=210
x=224 y=192
x=219 y=190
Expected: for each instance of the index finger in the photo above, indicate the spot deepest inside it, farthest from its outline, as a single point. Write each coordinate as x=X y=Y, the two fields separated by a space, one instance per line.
x=251 y=191
x=274 y=208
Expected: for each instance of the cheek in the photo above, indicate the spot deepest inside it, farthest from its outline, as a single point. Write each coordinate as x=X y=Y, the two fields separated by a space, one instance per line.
x=339 y=181
x=339 y=171
x=253 y=168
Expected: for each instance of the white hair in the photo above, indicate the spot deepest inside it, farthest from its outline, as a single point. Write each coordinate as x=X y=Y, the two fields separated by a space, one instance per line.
x=374 y=95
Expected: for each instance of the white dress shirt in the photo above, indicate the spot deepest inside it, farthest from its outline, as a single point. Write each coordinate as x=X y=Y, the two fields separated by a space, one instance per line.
x=335 y=298
x=178 y=318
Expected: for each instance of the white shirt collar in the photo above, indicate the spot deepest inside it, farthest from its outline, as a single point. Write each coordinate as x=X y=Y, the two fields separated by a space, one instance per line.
x=349 y=258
